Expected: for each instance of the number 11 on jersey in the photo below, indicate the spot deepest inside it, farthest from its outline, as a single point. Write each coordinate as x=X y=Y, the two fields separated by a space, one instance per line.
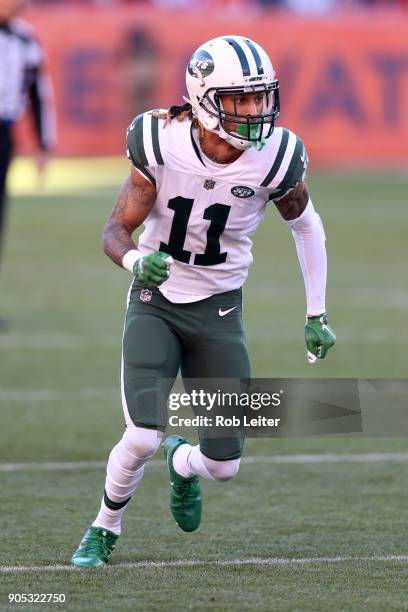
x=217 y=214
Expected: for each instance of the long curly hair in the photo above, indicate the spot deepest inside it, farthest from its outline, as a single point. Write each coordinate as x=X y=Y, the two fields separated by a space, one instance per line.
x=180 y=112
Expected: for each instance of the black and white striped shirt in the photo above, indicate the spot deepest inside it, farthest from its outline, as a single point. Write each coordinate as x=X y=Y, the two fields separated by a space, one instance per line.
x=22 y=80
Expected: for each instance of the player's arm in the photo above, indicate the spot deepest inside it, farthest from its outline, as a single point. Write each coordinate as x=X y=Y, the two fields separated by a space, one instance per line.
x=41 y=98
x=292 y=205
x=297 y=210
x=134 y=202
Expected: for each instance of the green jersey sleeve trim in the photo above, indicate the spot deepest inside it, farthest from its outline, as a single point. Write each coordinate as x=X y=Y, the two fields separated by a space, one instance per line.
x=143 y=144
x=278 y=159
x=295 y=172
x=141 y=169
x=296 y=169
x=138 y=141
x=155 y=140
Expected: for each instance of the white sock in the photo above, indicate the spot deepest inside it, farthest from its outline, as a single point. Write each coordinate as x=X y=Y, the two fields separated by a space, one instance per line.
x=124 y=472
x=110 y=518
x=189 y=461
x=180 y=460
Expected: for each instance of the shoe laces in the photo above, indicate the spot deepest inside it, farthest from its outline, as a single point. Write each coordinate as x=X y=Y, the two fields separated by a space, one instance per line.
x=186 y=488
x=98 y=543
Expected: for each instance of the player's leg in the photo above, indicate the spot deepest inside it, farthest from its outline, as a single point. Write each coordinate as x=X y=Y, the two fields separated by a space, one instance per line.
x=151 y=358
x=218 y=352
x=124 y=472
x=219 y=355
x=151 y=352
x=217 y=457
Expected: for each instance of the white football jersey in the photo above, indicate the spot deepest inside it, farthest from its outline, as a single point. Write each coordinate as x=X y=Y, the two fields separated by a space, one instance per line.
x=205 y=213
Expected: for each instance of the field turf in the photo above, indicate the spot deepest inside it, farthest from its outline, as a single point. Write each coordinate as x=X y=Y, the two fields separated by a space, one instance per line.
x=304 y=535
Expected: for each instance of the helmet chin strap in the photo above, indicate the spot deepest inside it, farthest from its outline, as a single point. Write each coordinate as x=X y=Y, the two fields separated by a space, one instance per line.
x=241 y=130
x=234 y=141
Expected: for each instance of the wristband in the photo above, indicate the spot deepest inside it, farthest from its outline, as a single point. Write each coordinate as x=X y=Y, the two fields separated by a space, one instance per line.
x=130 y=258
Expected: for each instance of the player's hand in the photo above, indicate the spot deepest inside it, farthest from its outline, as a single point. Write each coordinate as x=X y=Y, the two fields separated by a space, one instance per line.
x=153 y=269
x=319 y=337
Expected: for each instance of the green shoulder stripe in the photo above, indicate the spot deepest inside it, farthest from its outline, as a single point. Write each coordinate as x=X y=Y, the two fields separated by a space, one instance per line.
x=278 y=159
x=138 y=140
x=155 y=141
x=296 y=168
x=143 y=140
x=144 y=171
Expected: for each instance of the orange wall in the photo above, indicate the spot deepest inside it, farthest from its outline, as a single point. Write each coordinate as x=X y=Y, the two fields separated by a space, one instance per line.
x=344 y=81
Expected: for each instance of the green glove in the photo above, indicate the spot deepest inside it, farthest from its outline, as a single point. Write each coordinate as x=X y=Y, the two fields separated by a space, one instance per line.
x=153 y=269
x=319 y=337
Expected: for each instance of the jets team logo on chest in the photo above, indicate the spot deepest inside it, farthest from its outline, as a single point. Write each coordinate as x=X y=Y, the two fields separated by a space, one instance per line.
x=240 y=191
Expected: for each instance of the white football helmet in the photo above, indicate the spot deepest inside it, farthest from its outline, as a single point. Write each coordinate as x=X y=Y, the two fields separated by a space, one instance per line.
x=233 y=65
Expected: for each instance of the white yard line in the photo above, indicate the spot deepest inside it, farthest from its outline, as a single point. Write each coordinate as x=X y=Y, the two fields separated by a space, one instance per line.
x=255 y=459
x=290 y=459
x=197 y=563
x=328 y=458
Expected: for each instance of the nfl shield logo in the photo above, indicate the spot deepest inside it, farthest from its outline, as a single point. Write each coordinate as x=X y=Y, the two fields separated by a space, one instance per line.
x=146 y=295
x=209 y=184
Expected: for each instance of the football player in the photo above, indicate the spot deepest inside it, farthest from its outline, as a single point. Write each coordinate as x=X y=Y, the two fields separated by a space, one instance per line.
x=23 y=82
x=202 y=177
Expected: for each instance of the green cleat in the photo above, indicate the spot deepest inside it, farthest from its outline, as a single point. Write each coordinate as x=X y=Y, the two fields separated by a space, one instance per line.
x=185 y=494
x=94 y=548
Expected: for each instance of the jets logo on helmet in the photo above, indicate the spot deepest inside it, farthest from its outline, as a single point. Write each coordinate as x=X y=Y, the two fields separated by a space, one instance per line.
x=235 y=66
x=201 y=64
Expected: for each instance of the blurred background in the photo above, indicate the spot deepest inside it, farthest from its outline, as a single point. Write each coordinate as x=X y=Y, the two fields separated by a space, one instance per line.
x=343 y=69
x=342 y=65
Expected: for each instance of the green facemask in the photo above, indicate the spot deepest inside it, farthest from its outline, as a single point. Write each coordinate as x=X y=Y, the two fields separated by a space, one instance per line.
x=242 y=130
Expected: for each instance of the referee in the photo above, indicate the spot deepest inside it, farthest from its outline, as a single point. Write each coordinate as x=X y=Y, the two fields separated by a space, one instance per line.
x=22 y=80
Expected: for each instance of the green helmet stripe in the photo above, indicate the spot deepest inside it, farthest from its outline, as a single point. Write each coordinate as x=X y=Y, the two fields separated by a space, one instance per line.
x=256 y=55
x=240 y=53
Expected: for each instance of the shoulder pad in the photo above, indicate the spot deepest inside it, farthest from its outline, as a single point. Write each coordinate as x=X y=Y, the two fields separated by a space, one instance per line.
x=143 y=140
x=23 y=29
x=288 y=166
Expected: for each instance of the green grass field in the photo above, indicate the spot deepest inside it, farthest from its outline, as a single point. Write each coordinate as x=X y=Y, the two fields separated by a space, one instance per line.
x=281 y=536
